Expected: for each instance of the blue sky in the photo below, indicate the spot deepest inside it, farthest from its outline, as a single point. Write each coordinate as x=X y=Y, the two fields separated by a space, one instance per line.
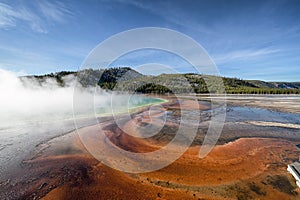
x=246 y=39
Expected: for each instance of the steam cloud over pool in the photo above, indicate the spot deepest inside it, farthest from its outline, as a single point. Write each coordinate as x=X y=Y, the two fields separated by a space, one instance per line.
x=34 y=111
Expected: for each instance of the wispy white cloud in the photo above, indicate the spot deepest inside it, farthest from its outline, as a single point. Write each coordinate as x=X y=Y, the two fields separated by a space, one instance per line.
x=244 y=55
x=7 y=16
x=11 y=16
x=55 y=11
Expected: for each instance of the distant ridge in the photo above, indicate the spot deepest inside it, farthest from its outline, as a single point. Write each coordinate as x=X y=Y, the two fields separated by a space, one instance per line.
x=127 y=80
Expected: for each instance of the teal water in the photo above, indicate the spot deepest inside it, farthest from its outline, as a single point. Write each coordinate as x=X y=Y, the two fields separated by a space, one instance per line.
x=126 y=103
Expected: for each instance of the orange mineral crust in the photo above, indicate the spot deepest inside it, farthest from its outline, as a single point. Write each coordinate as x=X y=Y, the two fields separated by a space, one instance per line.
x=245 y=168
x=248 y=168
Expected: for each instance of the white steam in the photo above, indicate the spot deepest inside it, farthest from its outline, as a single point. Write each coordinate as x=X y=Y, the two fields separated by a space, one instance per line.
x=30 y=100
x=33 y=111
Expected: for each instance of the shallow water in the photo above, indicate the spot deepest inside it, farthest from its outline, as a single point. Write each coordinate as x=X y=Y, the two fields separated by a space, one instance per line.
x=240 y=114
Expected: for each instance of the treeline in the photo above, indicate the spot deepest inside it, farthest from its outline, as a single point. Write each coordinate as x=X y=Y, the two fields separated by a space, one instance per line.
x=153 y=88
x=58 y=77
x=188 y=83
x=249 y=90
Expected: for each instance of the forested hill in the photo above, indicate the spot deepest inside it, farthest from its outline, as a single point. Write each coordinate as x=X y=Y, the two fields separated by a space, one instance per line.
x=127 y=79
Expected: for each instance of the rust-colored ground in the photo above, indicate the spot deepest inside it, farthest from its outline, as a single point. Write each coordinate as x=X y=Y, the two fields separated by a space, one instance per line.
x=245 y=169
x=248 y=168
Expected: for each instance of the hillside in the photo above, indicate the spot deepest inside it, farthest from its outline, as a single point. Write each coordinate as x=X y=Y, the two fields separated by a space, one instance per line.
x=183 y=83
x=105 y=78
x=127 y=79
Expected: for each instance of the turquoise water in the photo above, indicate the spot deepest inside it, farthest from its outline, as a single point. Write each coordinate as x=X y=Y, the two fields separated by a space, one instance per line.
x=126 y=103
